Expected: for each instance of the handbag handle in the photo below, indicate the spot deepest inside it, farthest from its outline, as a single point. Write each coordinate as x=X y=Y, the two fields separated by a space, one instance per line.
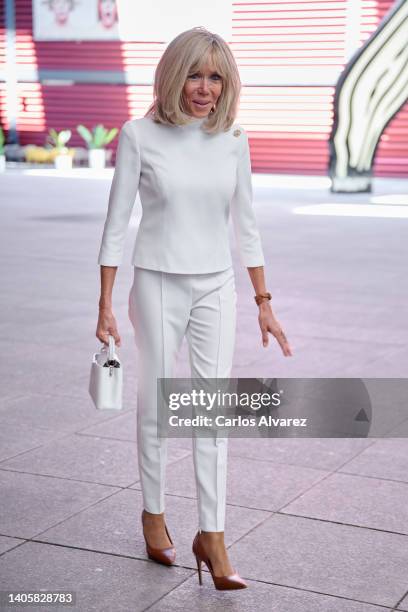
x=111 y=350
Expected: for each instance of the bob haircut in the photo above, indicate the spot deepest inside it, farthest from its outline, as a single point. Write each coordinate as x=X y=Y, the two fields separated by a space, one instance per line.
x=185 y=55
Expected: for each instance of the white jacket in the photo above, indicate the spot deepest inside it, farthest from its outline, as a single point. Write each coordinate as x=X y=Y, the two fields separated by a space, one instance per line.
x=188 y=181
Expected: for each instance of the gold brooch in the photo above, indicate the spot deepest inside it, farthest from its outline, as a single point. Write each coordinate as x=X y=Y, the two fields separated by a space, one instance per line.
x=237 y=132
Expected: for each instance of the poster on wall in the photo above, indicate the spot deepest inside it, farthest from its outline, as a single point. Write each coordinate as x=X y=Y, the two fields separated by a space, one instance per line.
x=150 y=21
x=75 y=20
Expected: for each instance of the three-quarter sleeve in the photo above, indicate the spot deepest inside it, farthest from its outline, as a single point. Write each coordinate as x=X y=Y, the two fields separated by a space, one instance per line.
x=242 y=212
x=122 y=197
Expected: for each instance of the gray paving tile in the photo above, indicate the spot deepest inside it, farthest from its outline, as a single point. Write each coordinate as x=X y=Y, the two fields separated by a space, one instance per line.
x=102 y=582
x=388 y=414
x=368 y=502
x=320 y=453
x=85 y=458
x=11 y=394
x=258 y=484
x=30 y=504
x=400 y=431
x=81 y=326
x=123 y=427
x=51 y=412
x=7 y=543
x=39 y=313
x=391 y=364
x=258 y=596
x=56 y=280
x=345 y=319
x=404 y=604
x=114 y=526
x=361 y=564
x=18 y=438
x=39 y=366
x=386 y=458
x=120 y=427
x=251 y=483
x=322 y=357
x=388 y=391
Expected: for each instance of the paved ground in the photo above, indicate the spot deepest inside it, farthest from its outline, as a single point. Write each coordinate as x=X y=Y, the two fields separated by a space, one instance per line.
x=314 y=525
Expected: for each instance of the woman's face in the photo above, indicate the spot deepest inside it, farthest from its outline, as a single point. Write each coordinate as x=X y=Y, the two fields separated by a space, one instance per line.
x=107 y=12
x=202 y=90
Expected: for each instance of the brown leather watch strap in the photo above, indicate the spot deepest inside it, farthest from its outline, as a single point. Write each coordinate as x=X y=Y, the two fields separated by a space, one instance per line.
x=261 y=297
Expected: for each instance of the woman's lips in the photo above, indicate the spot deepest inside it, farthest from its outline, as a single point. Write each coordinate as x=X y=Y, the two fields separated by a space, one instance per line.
x=201 y=103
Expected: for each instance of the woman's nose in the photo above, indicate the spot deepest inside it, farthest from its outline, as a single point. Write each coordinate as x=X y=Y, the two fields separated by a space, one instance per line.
x=203 y=84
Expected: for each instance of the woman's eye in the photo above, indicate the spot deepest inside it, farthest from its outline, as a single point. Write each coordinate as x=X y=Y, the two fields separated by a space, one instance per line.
x=213 y=77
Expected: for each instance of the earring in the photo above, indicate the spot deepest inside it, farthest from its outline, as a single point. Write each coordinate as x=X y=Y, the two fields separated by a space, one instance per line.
x=213 y=108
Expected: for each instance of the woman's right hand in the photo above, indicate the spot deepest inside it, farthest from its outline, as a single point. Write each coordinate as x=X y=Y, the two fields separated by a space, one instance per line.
x=107 y=326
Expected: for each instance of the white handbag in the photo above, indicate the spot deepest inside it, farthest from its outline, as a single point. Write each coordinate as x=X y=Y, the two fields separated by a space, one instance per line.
x=106 y=379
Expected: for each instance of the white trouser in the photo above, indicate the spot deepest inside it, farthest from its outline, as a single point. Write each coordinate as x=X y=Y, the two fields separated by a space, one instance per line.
x=163 y=308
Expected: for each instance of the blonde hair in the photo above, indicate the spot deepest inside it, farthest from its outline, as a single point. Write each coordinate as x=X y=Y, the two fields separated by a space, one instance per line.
x=184 y=55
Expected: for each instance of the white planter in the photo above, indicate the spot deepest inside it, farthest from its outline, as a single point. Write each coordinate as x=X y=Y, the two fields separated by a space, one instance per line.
x=2 y=163
x=97 y=159
x=63 y=162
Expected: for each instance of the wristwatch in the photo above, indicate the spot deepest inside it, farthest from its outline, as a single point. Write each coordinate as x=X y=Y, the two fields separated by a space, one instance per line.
x=260 y=297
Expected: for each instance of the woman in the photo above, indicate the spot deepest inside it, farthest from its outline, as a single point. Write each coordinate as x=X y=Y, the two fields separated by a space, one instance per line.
x=191 y=166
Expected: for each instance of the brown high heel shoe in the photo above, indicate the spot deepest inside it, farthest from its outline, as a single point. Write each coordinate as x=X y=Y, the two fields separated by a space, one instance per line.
x=166 y=556
x=221 y=583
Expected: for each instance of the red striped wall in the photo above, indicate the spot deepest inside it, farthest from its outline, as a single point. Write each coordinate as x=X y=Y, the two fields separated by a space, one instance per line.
x=281 y=41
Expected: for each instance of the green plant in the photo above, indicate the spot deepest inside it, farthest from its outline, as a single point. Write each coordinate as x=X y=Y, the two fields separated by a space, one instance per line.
x=2 y=141
x=59 y=139
x=99 y=137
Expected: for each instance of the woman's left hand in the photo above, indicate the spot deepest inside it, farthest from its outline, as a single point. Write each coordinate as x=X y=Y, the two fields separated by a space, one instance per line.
x=268 y=323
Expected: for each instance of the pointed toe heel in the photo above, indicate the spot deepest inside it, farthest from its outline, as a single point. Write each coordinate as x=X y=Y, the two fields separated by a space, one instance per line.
x=221 y=583
x=165 y=556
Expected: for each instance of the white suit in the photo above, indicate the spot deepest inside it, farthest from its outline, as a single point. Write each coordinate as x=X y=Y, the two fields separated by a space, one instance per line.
x=188 y=181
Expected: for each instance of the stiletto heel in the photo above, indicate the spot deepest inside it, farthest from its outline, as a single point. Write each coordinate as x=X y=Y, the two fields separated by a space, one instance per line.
x=166 y=556
x=221 y=583
x=200 y=578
